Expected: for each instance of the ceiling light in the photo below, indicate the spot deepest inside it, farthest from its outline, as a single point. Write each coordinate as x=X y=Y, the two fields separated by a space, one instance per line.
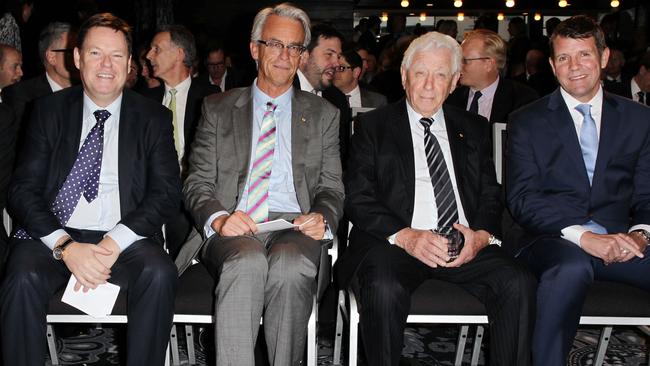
x=404 y=3
x=430 y=4
x=423 y=17
x=461 y=17
x=615 y=3
x=537 y=17
x=458 y=3
x=510 y=3
x=562 y=3
x=500 y=16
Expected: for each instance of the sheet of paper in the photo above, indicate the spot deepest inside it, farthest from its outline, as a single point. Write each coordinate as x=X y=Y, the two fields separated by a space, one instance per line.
x=97 y=303
x=274 y=225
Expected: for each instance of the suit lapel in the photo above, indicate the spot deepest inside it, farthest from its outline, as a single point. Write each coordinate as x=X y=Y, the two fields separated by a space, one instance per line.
x=242 y=125
x=127 y=145
x=300 y=122
x=458 y=148
x=609 y=127
x=401 y=130
x=502 y=101
x=560 y=119
x=71 y=123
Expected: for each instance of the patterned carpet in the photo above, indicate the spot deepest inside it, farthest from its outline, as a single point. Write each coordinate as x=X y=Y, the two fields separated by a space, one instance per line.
x=431 y=346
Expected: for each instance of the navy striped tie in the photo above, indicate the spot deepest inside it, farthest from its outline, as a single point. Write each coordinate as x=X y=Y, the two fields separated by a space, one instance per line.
x=442 y=187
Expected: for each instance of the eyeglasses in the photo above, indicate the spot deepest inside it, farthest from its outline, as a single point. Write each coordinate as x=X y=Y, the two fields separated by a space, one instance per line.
x=63 y=50
x=343 y=68
x=276 y=47
x=467 y=60
x=216 y=64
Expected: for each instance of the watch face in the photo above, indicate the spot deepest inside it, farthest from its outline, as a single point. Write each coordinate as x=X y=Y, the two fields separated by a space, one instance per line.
x=57 y=253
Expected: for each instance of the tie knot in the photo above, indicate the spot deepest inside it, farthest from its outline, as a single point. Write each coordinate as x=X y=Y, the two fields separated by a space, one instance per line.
x=172 y=92
x=101 y=115
x=584 y=109
x=270 y=106
x=426 y=122
x=478 y=94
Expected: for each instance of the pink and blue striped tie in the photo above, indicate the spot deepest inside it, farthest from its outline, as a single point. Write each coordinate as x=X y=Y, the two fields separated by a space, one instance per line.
x=257 y=205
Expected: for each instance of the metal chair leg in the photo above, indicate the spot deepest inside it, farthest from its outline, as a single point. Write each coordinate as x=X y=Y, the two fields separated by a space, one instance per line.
x=354 y=331
x=189 y=339
x=51 y=345
x=460 y=348
x=312 y=345
x=173 y=341
x=602 y=346
x=338 y=338
x=478 y=340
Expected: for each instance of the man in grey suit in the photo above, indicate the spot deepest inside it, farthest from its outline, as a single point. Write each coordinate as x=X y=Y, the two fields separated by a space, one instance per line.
x=347 y=78
x=265 y=152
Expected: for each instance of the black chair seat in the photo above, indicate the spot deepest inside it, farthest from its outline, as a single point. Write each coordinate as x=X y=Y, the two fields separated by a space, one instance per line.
x=616 y=300
x=436 y=297
x=195 y=292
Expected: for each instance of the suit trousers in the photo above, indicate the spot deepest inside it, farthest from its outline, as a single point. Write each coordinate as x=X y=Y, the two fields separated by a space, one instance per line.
x=388 y=276
x=565 y=272
x=143 y=270
x=274 y=275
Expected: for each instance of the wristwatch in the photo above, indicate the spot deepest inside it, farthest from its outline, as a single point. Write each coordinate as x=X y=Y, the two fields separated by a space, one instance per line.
x=644 y=234
x=493 y=240
x=57 y=252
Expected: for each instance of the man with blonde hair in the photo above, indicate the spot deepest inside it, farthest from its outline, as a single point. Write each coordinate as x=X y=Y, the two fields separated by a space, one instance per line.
x=483 y=90
x=416 y=169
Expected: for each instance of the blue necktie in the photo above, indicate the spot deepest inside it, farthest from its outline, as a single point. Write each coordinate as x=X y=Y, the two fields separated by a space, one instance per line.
x=588 y=139
x=83 y=177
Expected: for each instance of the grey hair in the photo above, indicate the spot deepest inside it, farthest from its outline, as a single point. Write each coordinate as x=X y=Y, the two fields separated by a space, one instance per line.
x=431 y=41
x=50 y=34
x=284 y=10
x=182 y=38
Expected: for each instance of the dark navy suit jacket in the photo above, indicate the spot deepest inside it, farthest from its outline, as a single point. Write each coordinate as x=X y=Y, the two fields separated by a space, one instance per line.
x=547 y=184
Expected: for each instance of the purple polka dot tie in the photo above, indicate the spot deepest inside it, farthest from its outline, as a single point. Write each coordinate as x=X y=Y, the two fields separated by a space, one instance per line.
x=83 y=177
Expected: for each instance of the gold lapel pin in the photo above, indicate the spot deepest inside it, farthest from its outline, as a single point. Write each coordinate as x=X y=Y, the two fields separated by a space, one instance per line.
x=303 y=119
x=461 y=135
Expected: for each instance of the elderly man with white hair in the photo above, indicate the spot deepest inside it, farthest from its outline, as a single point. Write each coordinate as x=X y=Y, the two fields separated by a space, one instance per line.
x=418 y=169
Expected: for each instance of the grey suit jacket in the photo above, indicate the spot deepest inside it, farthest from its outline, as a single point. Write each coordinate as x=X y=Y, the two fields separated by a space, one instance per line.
x=370 y=99
x=218 y=165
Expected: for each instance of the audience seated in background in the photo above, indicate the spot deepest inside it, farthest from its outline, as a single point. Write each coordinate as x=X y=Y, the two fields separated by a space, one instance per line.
x=346 y=80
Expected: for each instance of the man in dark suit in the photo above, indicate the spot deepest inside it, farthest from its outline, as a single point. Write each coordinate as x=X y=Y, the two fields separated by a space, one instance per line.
x=95 y=211
x=416 y=167
x=638 y=87
x=172 y=53
x=577 y=182
x=265 y=152
x=7 y=141
x=483 y=91
x=346 y=80
x=219 y=77
x=55 y=45
x=316 y=75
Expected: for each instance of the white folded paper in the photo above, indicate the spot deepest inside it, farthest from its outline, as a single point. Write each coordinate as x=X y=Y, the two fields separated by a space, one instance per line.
x=97 y=303
x=275 y=225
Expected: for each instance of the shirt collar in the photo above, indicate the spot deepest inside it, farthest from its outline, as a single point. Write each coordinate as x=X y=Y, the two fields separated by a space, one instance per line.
x=571 y=102
x=414 y=117
x=304 y=83
x=182 y=87
x=53 y=84
x=354 y=92
x=114 y=108
x=260 y=98
x=634 y=87
x=487 y=92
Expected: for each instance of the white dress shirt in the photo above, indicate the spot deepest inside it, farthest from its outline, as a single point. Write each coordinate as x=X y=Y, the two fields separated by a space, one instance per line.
x=103 y=213
x=53 y=84
x=182 y=90
x=425 y=209
x=635 y=89
x=222 y=84
x=486 y=99
x=354 y=97
x=573 y=233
